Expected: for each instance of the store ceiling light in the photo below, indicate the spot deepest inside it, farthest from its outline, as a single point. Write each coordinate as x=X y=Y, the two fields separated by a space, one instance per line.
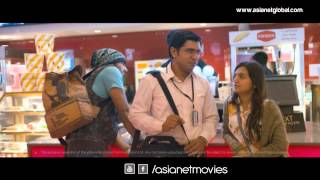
x=97 y=31
x=310 y=45
x=203 y=24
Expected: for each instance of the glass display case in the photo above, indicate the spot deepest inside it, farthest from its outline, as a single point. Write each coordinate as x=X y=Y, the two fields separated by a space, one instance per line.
x=142 y=67
x=21 y=122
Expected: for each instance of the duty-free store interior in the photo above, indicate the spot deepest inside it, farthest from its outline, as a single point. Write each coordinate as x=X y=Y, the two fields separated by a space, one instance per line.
x=293 y=51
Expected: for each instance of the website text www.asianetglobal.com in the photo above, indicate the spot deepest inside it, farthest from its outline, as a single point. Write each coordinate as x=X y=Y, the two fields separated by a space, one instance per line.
x=273 y=10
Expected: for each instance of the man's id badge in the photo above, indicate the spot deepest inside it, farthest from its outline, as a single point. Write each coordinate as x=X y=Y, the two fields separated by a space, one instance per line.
x=195 y=120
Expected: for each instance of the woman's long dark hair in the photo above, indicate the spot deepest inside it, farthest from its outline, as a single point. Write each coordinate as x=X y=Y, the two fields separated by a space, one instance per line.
x=256 y=75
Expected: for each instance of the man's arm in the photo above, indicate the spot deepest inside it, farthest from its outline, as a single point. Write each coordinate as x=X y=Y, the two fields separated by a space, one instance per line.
x=140 y=110
x=197 y=146
x=210 y=117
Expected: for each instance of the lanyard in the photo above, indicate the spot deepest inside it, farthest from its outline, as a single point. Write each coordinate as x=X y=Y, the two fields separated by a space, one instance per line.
x=246 y=139
x=191 y=99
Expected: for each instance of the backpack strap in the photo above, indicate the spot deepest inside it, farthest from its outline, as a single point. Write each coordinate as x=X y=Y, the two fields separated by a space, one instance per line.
x=94 y=69
x=105 y=101
x=62 y=141
x=89 y=73
x=135 y=140
x=165 y=90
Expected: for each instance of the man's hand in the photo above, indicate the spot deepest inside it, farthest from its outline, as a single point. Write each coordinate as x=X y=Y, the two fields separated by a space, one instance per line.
x=196 y=147
x=171 y=122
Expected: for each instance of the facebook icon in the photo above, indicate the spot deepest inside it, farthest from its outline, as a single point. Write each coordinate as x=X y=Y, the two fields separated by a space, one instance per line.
x=142 y=168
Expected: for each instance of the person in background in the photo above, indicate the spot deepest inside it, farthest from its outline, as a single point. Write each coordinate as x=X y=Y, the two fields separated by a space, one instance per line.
x=253 y=125
x=150 y=111
x=274 y=68
x=262 y=58
x=106 y=89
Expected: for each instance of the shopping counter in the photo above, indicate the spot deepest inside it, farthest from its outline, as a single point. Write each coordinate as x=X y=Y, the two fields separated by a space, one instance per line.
x=302 y=144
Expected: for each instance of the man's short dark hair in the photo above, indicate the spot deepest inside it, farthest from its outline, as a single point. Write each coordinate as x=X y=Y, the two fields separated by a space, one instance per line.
x=177 y=38
x=261 y=57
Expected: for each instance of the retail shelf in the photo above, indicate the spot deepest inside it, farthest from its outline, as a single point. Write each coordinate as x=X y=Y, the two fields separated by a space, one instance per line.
x=24 y=112
x=21 y=94
x=35 y=133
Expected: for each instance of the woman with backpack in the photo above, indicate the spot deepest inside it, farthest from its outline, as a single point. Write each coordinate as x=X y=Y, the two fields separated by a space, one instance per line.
x=105 y=86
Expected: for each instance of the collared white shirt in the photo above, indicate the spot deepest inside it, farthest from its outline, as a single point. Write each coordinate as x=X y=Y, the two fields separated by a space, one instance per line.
x=150 y=107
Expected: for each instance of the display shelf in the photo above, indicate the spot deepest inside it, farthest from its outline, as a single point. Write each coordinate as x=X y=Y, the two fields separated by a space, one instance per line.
x=22 y=120
x=25 y=112
x=21 y=94
x=35 y=133
x=14 y=152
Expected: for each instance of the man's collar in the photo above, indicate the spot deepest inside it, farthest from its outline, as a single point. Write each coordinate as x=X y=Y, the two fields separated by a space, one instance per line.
x=170 y=74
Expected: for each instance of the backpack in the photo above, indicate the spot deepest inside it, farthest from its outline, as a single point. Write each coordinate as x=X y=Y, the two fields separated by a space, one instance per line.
x=66 y=102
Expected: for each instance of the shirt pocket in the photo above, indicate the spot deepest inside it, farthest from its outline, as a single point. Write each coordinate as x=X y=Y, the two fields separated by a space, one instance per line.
x=159 y=103
x=161 y=106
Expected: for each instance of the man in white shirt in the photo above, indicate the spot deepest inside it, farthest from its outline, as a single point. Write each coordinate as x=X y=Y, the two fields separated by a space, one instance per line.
x=151 y=112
